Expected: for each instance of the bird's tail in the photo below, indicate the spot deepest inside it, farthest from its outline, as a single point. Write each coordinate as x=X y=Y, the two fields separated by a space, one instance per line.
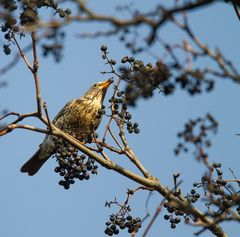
x=34 y=163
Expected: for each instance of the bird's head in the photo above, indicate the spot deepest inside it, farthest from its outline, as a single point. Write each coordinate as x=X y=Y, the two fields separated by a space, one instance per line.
x=98 y=90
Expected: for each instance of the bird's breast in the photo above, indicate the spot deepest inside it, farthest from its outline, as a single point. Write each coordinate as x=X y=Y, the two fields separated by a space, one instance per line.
x=81 y=119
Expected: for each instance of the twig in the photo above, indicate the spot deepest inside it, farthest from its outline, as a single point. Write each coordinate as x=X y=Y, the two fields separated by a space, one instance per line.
x=17 y=56
x=35 y=74
x=22 y=54
x=47 y=115
x=11 y=127
x=9 y=114
x=114 y=138
x=130 y=154
x=109 y=147
x=158 y=210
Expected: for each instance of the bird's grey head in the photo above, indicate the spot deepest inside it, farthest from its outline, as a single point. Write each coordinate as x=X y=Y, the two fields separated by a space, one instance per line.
x=98 y=90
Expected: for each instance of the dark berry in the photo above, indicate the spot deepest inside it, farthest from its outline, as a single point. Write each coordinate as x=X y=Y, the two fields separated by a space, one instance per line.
x=173 y=225
x=119 y=93
x=116 y=106
x=136 y=130
x=131 y=59
x=197 y=195
x=7 y=36
x=113 y=62
x=124 y=59
x=104 y=48
x=57 y=169
x=113 y=227
x=135 y=125
x=177 y=220
x=116 y=231
x=112 y=218
x=108 y=223
x=122 y=225
x=128 y=116
x=86 y=176
x=193 y=191
x=166 y=217
x=68 y=11
x=61 y=182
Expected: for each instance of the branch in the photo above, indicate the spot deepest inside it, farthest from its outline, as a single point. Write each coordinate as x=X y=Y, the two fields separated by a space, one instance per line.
x=11 y=127
x=150 y=183
x=35 y=74
x=22 y=54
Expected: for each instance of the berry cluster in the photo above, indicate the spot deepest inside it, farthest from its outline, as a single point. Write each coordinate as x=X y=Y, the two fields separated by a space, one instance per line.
x=196 y=133
x=172 y=220
x=119 y=102
x=72 y=166
x=174 y=215
x=193 y=196
x=123 y=114
x=141 y=79
x=220 y=195
x=28 y=16
x=144 y=79
x=101 y=112
x=193 y=82
x=117 y=222
x=54 y=44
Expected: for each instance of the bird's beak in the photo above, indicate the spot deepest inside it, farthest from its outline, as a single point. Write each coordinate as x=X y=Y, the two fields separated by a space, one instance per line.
x=106 y=84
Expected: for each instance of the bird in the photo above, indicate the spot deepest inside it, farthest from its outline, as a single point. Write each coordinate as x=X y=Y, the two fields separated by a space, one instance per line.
x=79 y=118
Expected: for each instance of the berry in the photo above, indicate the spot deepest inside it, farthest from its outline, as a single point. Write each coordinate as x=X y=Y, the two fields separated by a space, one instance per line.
x=113 y=62
x=128 y=116
x=166 y=217
x=104 y=48
x=124 y=59
x=193 y=191
x=116 y=106
x=136 y=130
x=108 y=223
x=135 y=125
x=173 y=225
x=177 y=220
x=68 y=11
x=116 y=232
x=6 y=49
x=112 y=218
x=119 y=93
x=7 y=36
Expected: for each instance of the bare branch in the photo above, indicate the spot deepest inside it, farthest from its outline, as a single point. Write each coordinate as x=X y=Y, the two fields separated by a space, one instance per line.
x=47 y=115
x=35 y=74
x=11 y=127
x=22 y=54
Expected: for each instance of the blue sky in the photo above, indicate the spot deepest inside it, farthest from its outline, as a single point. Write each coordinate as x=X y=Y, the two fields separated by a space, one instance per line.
x=38 y=206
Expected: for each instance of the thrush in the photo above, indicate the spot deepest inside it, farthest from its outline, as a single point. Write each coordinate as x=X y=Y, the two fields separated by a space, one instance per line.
x=79 y=118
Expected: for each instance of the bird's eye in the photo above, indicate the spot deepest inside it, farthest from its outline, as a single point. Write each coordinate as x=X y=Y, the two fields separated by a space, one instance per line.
x=94 y=85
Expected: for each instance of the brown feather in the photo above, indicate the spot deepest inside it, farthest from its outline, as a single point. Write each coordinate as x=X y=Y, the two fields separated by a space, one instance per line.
x=34 y=163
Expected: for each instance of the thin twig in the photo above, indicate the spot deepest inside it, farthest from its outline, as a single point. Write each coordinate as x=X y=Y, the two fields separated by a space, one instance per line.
x=47 y=115
x=114 y=138
x=11 y=127
x=35 y=73
x=22 y=54
x=9 y=114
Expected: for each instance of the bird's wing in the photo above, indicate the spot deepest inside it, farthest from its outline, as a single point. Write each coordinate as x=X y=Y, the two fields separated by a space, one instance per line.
x=63 y=110
x=66 y=107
